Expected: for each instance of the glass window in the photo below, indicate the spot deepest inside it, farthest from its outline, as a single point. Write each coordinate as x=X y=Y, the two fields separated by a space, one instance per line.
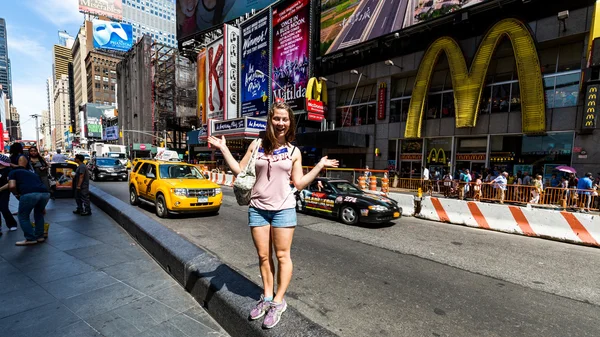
x=567 y=90
x=549 y=90
x=410 y=83
x=570 y=56
x=448 y=105
x=486 y=97
x=437 y=81
x=500 y=97
x=434 y=104
x=548 y=59
x=398 y=87
x=405 y=106
x=395 y=111
x=515 y=97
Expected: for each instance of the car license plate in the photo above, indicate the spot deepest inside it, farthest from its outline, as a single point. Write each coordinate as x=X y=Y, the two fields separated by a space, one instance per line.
x=202 y=200
x=113 y=174
x=396 y=214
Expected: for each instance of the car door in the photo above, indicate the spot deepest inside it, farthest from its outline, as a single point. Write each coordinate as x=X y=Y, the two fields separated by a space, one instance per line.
x=140 y=180
x=317 y=199
x=151 y=181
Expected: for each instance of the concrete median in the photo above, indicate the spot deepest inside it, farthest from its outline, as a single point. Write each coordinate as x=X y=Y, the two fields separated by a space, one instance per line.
x=406 y=201
x=226 y=294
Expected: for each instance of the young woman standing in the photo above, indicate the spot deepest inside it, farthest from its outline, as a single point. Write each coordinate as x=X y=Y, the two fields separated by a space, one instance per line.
x=272 y=213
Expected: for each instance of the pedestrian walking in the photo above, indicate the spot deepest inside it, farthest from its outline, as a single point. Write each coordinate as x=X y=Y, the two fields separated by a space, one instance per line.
x=272 y=213
x=9 y=219
x=538 y=189
x=584 y=190
x=500 y=186
x=59 y=157
x=33 y=196
x=81 y=183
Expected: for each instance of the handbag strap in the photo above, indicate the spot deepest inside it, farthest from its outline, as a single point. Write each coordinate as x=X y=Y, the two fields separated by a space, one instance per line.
x=254 y=155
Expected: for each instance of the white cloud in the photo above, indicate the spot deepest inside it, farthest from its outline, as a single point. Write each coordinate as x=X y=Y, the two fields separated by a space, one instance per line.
x=30 y=99
x=58 y=12
x=29 y=47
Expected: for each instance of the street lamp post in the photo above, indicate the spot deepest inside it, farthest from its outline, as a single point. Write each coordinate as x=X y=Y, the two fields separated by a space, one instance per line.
x=360 y=75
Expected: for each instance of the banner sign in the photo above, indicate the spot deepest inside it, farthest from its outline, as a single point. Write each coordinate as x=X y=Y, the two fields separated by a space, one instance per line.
x=201 y=82
x=381 y=101
x=258 y=124
x=291 y=40
x=315 y=117
x=214 y=78
x=590 y=115
x=315 y=106
x=112 y=35
x=470 y=156
x=230 y=84
x=411 y=157
x=255 y=57
x=109 y=8
x=231 y=125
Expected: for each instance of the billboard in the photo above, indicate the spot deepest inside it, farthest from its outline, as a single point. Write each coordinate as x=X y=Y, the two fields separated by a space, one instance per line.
x=93 y=114
x=109 y=8
x=231 y=70
x=349 y=22
x=291 y=40
x=254 y=88
x=194 y=16
x=185 y=88
x=110 y=133
x=112 y=35
x=201 y=83
x=214 y=79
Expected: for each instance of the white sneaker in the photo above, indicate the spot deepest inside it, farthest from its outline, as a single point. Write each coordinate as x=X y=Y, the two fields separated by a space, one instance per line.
x=12 y=229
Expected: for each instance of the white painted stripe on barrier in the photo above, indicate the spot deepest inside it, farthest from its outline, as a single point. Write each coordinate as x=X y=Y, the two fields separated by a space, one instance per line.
x=550 y=223
x=228 y=179
x=458 y=212
x=591 y=223
x=219 y=178
x=405 y=201
x=499 y=217
x=428 y=212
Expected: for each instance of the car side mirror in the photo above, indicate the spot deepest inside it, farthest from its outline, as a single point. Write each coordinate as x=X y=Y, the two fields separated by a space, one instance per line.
x=150 y=175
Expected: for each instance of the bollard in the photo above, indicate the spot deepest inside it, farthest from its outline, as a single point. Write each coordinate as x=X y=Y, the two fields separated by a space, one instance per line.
x=373 y=183
x=418 y=198
x=396 y=180
x=362 y=182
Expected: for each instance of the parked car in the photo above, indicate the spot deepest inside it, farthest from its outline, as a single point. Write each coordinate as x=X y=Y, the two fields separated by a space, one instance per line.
x=343 y=200
x=103 y=168
x=173 y=187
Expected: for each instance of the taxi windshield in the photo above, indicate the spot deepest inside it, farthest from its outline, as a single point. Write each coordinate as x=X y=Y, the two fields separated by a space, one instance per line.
x=344 y=186
x=178 y=171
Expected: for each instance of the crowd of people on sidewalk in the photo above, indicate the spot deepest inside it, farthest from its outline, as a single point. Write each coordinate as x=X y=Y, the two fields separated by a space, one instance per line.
x=522 y=187
x=27 y=177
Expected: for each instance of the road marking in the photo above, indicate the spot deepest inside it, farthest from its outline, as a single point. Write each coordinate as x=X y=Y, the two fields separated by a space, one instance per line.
x=522 y=222
x=477 y=215
x=383 y=24
x=579 y=229
x=440 y=210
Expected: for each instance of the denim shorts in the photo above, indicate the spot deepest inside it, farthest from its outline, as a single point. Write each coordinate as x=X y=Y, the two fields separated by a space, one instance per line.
x=282 y=218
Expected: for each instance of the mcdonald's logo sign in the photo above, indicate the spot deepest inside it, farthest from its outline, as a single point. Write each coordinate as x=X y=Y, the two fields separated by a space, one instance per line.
x=437 y=156
x=591 y=100
x=316 y=99
x=468 y=85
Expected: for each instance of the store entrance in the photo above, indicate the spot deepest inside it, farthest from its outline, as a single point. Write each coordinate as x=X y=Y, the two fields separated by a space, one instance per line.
x=475 y=167
x=410 y=169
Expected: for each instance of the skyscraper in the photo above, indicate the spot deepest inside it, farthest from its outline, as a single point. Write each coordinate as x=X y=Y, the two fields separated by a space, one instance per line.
x=152 y=17
x=61 y=57
x=64 y=39
x=5 y=73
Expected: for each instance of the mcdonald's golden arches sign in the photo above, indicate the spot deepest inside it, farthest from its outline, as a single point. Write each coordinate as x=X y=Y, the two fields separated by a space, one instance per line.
x=590 y=113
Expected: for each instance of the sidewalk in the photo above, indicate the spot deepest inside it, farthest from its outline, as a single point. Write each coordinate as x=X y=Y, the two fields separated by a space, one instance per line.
x=90 y=278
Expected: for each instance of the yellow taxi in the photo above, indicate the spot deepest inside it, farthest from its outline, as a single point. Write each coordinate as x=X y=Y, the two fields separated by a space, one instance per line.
x=173 y=187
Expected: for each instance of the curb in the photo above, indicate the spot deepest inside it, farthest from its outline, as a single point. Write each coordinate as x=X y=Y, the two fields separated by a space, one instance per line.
x=227 y=295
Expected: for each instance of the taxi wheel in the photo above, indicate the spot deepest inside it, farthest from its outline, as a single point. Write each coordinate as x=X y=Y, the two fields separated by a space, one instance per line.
x=349 y=215
x=299 y=205
x=133 y=198
x=161 y=207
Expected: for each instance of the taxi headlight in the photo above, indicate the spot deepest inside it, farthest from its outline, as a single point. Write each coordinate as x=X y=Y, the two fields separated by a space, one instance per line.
x=218 y=191
x=378 y=208
x=180 y=191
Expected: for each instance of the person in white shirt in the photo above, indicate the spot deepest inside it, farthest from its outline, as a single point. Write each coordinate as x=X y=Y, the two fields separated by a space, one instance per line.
x=500 y=185
x=426 y=187
x=59 y=157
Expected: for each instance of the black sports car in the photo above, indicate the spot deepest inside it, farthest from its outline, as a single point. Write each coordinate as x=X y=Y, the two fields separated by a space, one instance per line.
x=341 y=199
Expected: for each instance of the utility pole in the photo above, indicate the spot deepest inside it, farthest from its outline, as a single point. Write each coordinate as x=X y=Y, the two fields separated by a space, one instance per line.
x=37 y=129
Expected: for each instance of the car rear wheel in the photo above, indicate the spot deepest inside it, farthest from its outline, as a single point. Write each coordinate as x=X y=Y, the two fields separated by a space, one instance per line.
x=161 y=207
x=348 y=215
x=133 y=198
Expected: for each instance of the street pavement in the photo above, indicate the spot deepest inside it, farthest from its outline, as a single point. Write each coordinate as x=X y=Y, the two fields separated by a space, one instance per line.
x=415 y=278
x=91 y=279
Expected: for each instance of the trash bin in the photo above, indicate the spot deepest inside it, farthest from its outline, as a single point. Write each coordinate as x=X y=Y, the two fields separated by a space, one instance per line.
x=61 y=179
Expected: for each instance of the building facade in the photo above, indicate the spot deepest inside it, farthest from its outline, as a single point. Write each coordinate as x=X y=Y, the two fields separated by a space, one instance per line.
x=101 y=77
x=61 y=110
x=155 y=18
x=82 y=45
x=64 y=39
x=504 y=90
x=15 y=125
x=61 y=57
x=5 y=73
x=45 y=135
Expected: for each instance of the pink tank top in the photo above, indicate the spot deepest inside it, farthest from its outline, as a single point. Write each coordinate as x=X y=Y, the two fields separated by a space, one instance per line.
x=272 y=190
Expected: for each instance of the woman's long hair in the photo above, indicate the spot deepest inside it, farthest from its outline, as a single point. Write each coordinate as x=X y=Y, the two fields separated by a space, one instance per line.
x=39 y=157
x=269 y=143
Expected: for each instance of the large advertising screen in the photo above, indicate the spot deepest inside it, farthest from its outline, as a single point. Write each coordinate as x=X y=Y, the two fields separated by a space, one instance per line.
x=291 y=40
x=214 y=79
x=254 y=91
x=194 y=16
x=345 y=23
x=112 y=35
x=230 y=80
x=109 y=8
x=110 y=133
x=201 y=89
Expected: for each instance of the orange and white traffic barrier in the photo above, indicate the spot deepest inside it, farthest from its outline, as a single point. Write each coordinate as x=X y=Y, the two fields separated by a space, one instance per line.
x=560 y=225
x=228 y=179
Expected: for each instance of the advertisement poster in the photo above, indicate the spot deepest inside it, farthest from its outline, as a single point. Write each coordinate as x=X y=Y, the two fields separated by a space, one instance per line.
x=112 y=35
x=291 y=39
x=195 y=16
x=64 y=178
x=109 y=8
x=230 y=81
x=254 y=90
x=201 y=81
x=110 y=133
x=214 y=79
x=346 y=23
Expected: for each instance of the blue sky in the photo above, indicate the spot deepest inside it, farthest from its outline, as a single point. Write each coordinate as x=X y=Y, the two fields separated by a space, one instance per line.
x=33 y=27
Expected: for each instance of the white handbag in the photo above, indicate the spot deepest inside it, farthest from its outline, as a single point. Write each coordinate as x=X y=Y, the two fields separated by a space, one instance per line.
x=244 y=182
